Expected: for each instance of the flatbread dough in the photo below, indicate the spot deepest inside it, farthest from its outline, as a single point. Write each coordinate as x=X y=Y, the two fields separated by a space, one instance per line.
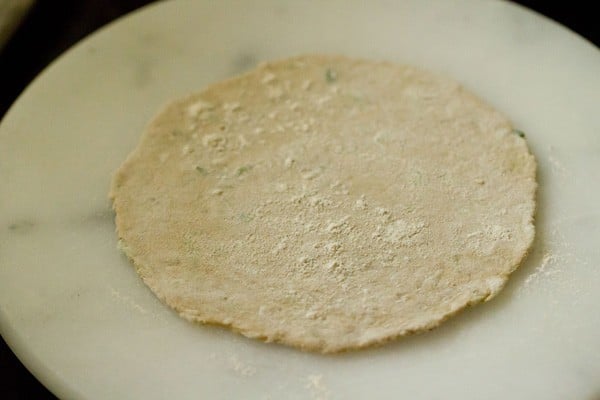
x=327 y=203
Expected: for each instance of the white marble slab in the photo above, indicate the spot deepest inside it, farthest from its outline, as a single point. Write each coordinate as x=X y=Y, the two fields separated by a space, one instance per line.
x=77 y=315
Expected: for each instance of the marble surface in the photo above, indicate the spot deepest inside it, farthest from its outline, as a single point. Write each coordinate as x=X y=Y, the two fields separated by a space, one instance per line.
x=77 y=315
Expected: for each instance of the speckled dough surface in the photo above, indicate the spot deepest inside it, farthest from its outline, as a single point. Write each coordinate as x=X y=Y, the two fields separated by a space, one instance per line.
x=327 y=203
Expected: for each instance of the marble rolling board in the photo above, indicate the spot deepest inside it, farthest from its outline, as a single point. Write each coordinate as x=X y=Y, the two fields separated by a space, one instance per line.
x=77 y=315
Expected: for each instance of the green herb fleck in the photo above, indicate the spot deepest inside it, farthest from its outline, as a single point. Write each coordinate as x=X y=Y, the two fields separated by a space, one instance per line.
x=201 y=170
x=519 y=133
x=212 y=118
x=242 y=170
x=246 y=217
x=417 y=178
x=330 y=75
x=358 y=99
x=177 y=132
x=21 y=227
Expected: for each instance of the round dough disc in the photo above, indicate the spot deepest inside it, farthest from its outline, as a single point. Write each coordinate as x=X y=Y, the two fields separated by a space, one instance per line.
x=327 y=203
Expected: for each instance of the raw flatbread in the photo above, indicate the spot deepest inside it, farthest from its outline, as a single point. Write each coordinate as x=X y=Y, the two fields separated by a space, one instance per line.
x=327 y=203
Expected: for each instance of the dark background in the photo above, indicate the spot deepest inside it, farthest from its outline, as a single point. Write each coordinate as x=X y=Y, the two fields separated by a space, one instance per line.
x=52 y=27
